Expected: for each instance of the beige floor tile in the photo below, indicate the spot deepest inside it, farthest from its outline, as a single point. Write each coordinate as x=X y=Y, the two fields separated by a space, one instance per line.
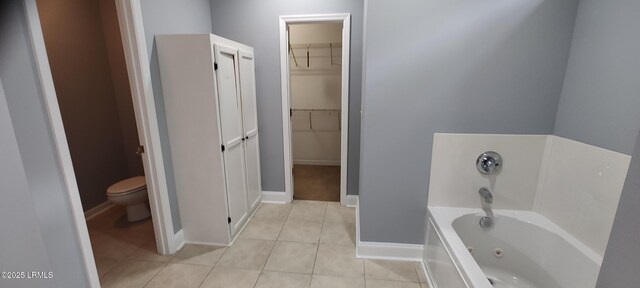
x=265 y=229
x=375 y=283
x=131 y=274
x=247 y=254
x=149 y=252
x=283 y=280
x=292 y=257
x=104 y=264
x=231 y=278
x=105 y=245
x=319 y=281
x=176 y=275
x=420 y=271
x=308 y=210
x=391 y=270
x=301 y=231
x=339 y=214
x=199 y=254
x=137 y=233
x=338 y=233
x=273 y=211
x=338 y=261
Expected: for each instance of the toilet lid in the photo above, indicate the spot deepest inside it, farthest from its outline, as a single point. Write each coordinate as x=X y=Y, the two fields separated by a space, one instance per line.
x=128 y=185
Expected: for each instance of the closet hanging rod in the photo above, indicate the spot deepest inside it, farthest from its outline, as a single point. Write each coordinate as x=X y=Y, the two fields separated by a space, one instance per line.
x=315 y=45
x=317 y=110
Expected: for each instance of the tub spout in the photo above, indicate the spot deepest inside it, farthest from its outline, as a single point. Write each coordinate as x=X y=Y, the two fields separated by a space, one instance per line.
x=486 y=195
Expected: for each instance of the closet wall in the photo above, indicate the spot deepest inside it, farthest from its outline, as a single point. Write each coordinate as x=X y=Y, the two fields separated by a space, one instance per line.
x=315 y=93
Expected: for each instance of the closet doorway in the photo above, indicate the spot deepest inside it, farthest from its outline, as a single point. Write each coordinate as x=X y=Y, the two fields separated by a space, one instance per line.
x=315 y=97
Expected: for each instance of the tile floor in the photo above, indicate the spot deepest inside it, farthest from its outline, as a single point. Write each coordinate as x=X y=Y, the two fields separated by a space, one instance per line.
x=306 y=244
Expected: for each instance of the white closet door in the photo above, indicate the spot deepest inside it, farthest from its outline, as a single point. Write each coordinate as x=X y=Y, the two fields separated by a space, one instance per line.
x=232 y=134
x=250 y=122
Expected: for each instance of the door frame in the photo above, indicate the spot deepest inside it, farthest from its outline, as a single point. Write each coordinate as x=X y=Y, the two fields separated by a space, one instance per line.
x=285 y=20
x=136 y=56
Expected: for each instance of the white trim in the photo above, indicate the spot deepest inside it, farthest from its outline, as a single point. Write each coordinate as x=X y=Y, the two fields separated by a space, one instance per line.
x=316 y=162
x=60 y=139
x=345 y=18
x=351 y=201
x=275 y=197
x=137 y=60
x=99 y=209
x=389 y=251
x=178 y=241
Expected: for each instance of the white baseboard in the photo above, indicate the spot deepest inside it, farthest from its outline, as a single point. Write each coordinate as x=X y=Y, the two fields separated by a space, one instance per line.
x=389 y=251
x=178 y=242
x=93 y=212
x=351 y=201
x=274 y=197
x=207 y=243
x=386 y=251
x=317 y=162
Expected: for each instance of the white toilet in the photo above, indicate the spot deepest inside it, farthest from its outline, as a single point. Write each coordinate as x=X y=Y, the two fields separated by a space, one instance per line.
x=132 y=193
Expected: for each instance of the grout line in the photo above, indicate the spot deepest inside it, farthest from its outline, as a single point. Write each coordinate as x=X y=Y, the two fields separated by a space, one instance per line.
x=155 y=275
x=205 y=277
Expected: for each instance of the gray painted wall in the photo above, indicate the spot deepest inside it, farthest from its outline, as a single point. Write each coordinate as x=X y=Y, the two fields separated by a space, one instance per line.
x=255 y=23
x=601 y=94
x=39 y=230
x=622 y=258
x=24 y=247
x=170 y=17
x=460 y=66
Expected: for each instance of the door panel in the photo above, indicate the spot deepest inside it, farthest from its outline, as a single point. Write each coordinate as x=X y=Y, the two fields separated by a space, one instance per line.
x=252 y=157
x=248 y=88
x=250 y=124
x=230 y=111
x=236 y=196
x=232 y=135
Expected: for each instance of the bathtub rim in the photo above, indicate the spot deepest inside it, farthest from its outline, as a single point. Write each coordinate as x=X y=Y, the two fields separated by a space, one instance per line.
x=442 y=220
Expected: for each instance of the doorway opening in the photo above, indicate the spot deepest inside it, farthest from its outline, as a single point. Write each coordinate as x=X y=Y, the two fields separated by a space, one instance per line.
x=82 y=46
x=315 y=68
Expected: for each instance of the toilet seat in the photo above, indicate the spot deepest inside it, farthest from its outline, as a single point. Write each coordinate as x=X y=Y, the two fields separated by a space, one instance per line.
x=127 y=186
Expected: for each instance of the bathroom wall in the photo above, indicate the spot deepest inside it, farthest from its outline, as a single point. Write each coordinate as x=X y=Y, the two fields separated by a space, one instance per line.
x=316 y=134
x=460 y=66
x=599 y=103
x=170 y=17
x=622 y=259
x=39 y=233
x=255 y=23
x=121 y=88
x=573 y=184
x=79 y=58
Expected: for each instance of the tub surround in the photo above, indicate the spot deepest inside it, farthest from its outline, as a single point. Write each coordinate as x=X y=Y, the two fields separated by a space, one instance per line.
x=575 y=185
x=455 y=180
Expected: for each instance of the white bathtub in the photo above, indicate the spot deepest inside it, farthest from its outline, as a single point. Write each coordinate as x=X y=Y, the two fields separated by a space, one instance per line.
x=533 y=251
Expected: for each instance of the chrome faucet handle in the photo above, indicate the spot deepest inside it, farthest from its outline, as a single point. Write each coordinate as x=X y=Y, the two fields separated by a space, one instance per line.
x=489 y=163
